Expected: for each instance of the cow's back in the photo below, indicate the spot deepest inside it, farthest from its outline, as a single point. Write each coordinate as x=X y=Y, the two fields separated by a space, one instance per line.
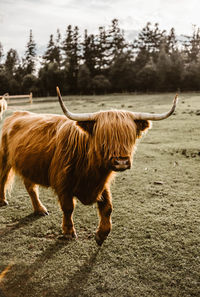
x=30 y=141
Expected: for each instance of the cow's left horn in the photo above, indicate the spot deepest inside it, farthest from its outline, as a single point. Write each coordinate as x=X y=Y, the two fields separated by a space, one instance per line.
x=74 y=116
x=156 y=117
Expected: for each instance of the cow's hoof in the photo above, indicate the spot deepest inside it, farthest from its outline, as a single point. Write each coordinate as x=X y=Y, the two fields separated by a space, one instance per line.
x=98 y=239
x=71 y=236
x=3 y=203
x=41 y=213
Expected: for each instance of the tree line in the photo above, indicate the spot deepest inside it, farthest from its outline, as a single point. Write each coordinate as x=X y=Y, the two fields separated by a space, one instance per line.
x=155 y=61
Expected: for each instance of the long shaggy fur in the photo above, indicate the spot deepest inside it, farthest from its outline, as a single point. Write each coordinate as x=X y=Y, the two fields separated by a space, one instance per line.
x=41 y=147
x=74 y=158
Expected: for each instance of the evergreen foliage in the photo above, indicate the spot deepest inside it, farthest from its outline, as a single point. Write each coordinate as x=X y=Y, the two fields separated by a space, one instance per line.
x=1 y=51
x=30 y=54
x=84 y=79
x=156 y=61
x=11 y=62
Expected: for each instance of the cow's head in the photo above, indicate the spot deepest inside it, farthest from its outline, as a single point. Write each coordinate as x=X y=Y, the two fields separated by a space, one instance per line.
x=113 y=133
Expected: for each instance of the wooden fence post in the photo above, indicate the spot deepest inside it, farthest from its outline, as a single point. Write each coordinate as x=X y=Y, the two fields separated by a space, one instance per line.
x=31 y=97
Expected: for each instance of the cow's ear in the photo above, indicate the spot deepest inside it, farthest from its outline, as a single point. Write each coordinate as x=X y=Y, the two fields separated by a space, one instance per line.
x=86 y=126
x=142 y=126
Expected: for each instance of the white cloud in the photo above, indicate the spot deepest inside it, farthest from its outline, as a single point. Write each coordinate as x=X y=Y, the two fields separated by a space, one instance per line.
x=45 y=16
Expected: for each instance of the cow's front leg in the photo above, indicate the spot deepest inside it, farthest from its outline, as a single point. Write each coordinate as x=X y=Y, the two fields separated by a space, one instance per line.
x=105 y=210
x=67 y=206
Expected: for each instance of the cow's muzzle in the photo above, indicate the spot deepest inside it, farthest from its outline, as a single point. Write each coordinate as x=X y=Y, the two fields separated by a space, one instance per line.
x=120 y=163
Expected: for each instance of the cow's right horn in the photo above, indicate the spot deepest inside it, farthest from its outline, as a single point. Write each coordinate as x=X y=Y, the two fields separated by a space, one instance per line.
x=156 y=117
x=74 y=116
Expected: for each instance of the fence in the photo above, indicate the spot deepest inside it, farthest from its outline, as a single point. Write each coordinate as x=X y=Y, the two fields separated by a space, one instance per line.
x=8 y=97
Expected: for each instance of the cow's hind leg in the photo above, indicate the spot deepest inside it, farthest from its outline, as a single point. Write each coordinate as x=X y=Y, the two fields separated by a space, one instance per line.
x=67 y=206
x=4 y=177
x=3 y=185
x=105 y=210
x=32 y=189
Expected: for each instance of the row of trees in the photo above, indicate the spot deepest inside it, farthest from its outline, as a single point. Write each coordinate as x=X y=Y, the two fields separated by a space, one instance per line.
x=105 y=62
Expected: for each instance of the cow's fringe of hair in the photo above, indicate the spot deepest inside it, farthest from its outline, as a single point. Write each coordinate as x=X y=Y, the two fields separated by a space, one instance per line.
x=110 y=139
x=114 y=138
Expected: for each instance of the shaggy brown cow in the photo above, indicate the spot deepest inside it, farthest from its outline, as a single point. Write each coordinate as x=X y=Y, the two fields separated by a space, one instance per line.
x=75 y=154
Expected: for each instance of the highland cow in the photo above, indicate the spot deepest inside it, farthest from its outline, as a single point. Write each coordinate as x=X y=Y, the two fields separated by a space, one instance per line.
x=74 y=154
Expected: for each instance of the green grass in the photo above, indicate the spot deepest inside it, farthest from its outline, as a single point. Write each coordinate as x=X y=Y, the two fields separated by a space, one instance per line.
x=154 y=246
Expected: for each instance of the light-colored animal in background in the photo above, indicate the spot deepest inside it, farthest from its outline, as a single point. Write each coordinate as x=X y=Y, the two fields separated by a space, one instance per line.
x=75 y=154
x=3 y=107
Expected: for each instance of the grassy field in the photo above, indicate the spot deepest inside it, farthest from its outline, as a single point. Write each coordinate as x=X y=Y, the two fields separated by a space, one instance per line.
x=154 y=246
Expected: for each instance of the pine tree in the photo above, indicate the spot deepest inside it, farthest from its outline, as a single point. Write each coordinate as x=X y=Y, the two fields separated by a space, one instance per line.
x=4 y=82
x=12 y=62
x=117 y=42
x=147 y=77
x=141 y=59
x=84 y=79
x=51 y=76
x=89 y=52
x=149 y=41
x=176 y=70
x=30 y=54
x=191 y=76
x=192 y=46
x=1 y=51
x=171 y=41
x=72 y=56
x=1 y=56
x=53 y=52
x=49 y=55
x=102 y=50
x=76 y=54
x=68 y=46
x=163 y=69
x=58 y=55
x=122 y=73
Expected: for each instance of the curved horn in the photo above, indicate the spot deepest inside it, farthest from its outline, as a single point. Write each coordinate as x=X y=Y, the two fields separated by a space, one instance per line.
x=156 y=117
x=74 y=116
x=136 y=115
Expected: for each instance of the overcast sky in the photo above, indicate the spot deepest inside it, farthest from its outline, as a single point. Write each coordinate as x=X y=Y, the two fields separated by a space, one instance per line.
x=17 y=17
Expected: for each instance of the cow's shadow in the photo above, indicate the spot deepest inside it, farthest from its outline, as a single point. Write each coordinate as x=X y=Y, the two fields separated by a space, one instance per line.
x=21 y=277
x=79 y=279
x=23 y=222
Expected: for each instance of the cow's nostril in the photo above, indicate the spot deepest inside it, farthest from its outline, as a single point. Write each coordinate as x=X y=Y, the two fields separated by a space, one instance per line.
x=121 y=163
